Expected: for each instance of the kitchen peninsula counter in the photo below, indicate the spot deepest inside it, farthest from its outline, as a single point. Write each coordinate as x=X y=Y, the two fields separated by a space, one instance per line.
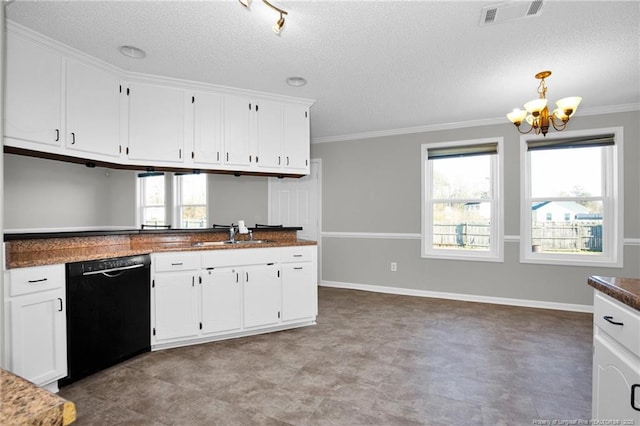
x=23 y=403
x=28 y=250
x=624 y=290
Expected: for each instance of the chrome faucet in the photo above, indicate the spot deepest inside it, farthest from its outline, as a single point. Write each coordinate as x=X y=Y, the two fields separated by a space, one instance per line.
x=232 y=233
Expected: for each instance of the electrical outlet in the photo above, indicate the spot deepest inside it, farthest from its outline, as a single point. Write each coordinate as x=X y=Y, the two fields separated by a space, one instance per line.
x=394 y=267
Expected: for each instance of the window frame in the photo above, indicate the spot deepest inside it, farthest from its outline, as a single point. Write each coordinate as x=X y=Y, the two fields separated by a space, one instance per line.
x=613 y=206
x=496 y=202
x=177 y=204
x=140 y=199
x=171 y=197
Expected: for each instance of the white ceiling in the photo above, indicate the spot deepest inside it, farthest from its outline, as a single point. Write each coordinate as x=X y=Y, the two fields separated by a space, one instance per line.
x=371 y=65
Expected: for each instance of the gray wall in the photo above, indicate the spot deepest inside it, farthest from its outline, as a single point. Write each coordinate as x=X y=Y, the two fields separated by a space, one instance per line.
x=373 y=186
x=43 y=193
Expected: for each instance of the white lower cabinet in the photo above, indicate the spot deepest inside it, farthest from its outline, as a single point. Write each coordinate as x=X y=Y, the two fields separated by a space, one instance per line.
x=176 y=306
x=174 y=295
x=261 y=295
x=616 y=362
x=211 y=295
x=299 y=286
x=221 y=300
x=36 y=323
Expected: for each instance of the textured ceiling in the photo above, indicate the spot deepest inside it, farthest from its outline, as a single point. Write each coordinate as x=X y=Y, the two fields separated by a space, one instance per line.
x=371 y=65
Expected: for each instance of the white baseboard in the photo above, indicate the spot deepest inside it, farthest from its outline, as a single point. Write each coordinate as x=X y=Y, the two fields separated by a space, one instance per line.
x=462 y=297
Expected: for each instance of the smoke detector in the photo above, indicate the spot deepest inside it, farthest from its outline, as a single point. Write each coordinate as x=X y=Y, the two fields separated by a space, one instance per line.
x=509 y=11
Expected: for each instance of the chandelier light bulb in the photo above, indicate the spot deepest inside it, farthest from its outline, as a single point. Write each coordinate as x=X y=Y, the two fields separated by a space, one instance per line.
x=569 y=105
x=278 y=26
x=516 y=116
x=535 y=106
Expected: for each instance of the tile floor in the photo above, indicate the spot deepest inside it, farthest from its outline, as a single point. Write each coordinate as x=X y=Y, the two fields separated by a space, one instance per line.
x=372 y=359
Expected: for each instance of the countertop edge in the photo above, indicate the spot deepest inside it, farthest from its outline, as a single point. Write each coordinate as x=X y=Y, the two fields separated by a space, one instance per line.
x=608 y=286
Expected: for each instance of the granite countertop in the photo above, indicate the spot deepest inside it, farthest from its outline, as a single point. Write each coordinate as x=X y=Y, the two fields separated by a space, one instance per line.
x=625 y=290
x=32 y=252
x=23 y=403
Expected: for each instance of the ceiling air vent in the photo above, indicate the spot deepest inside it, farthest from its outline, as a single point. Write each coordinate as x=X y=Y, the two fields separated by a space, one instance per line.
x=509 y=11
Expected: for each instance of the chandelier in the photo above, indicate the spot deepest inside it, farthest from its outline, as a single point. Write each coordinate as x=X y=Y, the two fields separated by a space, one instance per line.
x=537 y=114
x=277 y=27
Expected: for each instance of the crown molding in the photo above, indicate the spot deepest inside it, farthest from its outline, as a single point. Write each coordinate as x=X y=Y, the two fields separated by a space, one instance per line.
x=464 y=124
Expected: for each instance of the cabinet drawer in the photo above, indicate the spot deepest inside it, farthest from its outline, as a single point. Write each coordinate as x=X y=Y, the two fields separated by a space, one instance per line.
x=166 y=262
x=298 y=254
x=37 y=278
x=628 y=334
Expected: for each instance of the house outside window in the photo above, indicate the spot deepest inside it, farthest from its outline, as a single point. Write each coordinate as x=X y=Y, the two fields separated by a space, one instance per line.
x=576 y=176
x=462 y=200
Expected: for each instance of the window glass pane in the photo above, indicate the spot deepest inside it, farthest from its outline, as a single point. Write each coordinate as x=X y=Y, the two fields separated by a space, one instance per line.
x=462 y=178
x=193 y=217
x=461 y=226
x=153 y=190
x=580 y=234
x=153 y=216
x=193 y=189
x=575 y=172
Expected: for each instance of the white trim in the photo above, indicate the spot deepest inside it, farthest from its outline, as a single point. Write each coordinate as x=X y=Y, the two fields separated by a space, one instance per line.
x=613 y=109
x=372 y=235
x=416 y=236
x=631 y=241
x=462 y=297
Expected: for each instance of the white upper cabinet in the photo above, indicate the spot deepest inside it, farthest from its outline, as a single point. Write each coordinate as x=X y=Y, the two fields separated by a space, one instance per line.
x=207 y=128
x=156 y=124
x=93 y=110
x=238 y=118
x=61 y=102
x=297 y=139
x=269 y=133
x=33 y=93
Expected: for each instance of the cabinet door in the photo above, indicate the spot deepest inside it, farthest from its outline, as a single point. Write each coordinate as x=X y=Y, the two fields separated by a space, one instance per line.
x=298 y=291
x=269 y=134
x=156 y=123
x=262 y=292
x=296 y=138
x=613 y=376
x=38 y=336
x=207 y=128
x=221 y=300
x=93 y=110
x=238 y=117
x=175 y=306
x=33 y=93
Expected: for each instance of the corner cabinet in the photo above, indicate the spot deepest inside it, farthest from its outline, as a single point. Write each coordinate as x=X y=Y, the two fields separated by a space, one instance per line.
x=35 y=309
x=616 y=361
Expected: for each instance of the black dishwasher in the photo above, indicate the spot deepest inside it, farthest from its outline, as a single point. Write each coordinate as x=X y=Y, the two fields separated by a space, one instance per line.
x=108 y=313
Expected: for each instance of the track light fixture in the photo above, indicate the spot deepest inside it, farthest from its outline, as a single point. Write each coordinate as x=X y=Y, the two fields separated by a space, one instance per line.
x=279 y=23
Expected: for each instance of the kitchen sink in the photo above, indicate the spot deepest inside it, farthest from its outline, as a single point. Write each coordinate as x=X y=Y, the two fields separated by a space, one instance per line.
x=229 y=242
